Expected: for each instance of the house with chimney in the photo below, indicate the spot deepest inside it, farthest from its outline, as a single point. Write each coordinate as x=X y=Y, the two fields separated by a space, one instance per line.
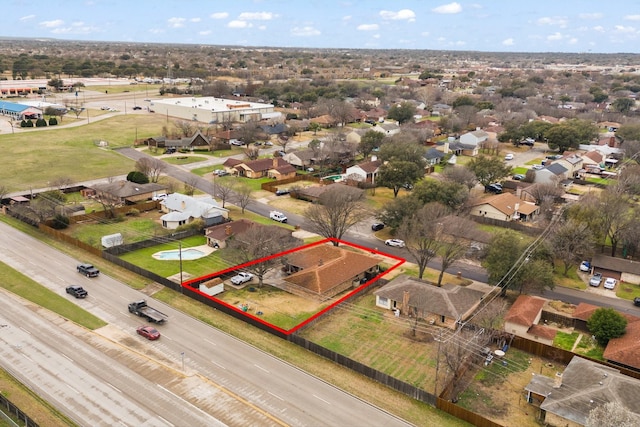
x=505 y=207
x=446 y=305
x=523 y=317
x=124 y=192
x=567 y=398
x=218 y=235
x=276 y=168
x=365 y=171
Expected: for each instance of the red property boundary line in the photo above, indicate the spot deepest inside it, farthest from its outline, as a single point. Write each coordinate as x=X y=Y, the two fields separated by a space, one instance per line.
x=287 y=332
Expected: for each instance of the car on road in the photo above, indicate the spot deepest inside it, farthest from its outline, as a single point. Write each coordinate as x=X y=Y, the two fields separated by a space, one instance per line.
x=610 y=283
x=236 y=142
x=278 y=216
x=269 y=143
x=241 y=278
x=636 y=301
x=518 y=177
x=137 y=107
x=149 y=332
x=377 y=226
x=585 y=266
x=105 y=108
x=88 y=270
x=595 y=280
x=554 y=156
x=77 y=291
x=509 y=156
x=395 y=243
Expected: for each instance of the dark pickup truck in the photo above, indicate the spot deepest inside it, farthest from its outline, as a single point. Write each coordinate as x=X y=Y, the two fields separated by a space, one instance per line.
x=76 y=291
x=141 y=309
x=88 y=270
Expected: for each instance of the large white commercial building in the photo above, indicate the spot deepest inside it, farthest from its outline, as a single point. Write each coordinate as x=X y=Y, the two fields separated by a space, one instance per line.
x=212 y=110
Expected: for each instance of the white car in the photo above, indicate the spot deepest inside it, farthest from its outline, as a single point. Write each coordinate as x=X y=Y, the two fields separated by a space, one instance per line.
x=278 y=216
x=241 y=278
x=509 y=156
x=159 y=197
x=537 y=167
x=394 y=242
x=610 y=283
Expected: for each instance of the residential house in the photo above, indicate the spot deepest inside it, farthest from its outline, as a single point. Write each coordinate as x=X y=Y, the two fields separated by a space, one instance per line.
x=376 y=115
x=433 y=156
x=274 y=129
x=301 y=158
x=182 y=209
x=625 y=350
x=505 y=207
x=523 y=317
x=324 y=271
x=446 y=305
x=365 y=171
x=572 y=163
x=218 y=235
x=477 y=137
x=552 y=174
x=124 y=192
x=441 y=109
x=567 y=398
x=197 y=140
x=326 y=121
x=625 y=270
x=230 y=164
x=387 y=128
x=593 y=158
x=275 y=167
x=355 y=136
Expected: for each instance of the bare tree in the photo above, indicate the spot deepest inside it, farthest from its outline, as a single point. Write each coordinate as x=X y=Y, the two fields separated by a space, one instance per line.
x=454 y=234
x=190 y=185
x=242 y=196
x=151 y=167
x=248 y=132
x=185 y=127
x=259 y=243
x=61 y=182
x=338 y=209
x=545 y=191
x=223 y=190
x=420 y=233
x=283 y=142
x=252 y=153
x=456 y=354
x=571 y=242
x=461 y=175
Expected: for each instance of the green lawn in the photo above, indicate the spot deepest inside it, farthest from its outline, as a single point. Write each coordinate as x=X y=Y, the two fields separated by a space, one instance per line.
x=132 y=229
x=565 y=341
x=21 y=285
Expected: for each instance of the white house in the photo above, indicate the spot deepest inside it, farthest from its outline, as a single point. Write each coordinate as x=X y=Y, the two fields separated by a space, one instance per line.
x=364 y=172
x=476 y=137
x=181 y=209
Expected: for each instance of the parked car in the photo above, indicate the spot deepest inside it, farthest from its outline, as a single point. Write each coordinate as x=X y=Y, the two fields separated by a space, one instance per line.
x=493 y=188
x=241 y=278
x=636 y=301
x=282 y=191
x=595 y=279
x=509 y=156
x=518 y=177
x=77 y=291
x=137 y=107
x=221 y=172
x=377 y=226
x=554 y=156
x=236 y=142
x=170 y=150
x=528 y=141
x=537 y=167
x=269 y=143
x=394 y=242
x=149 y=332
x=159 y=197
x=610 y=283
x=585 y=266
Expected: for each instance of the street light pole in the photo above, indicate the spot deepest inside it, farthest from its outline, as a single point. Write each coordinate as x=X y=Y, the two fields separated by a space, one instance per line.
x=180 y=243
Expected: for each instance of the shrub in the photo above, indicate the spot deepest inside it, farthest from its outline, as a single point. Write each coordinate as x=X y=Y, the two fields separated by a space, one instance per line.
x=196 y=224
x=53 y=121
x=26 y=124
x=41 y=123
x=60 y=222
x=137 y=177
x=133 y=212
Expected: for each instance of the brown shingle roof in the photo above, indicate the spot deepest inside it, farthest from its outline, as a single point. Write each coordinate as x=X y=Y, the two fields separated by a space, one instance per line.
x=525 y=310
x=222 y=232
x=370 y=167
x=626 y=349
x=325 y=267
x=542 y=331
x=507 y=202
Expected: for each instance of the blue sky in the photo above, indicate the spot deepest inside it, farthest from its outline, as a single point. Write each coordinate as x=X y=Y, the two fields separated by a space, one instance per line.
x=487 y=25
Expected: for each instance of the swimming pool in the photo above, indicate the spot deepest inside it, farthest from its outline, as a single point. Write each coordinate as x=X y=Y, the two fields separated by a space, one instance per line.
x=174 y=254
x=334 y=178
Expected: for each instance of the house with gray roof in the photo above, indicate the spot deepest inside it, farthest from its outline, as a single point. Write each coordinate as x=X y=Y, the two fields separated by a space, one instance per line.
x=433 y=156
x=182 y=209
x=567 y=398
x=553 y=173
x=124 y=192
x=445 y=305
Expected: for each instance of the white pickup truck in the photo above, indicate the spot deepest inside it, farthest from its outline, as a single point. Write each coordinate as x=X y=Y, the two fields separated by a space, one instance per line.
x=277 y=216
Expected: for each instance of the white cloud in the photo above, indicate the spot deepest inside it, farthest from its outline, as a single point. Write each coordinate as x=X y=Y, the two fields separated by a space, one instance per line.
x=176 y=22
x=590 y=15
x=376 y=36
x=306 y=31
x=555 y=36
x=52 y=24
x=346 y=18
x=262 y=27
x=632 y=17
x=552 y=20
x=508 y=42
x=239 y=24
x=77 y=27
x=573 y=40
x=401 y=15
x=257 y=16
x=27 y=18
x=448 y=8
x=367 y=27
x=156 y=31
x=195 y=20
x=425 y=34
x=219 y=15
x=204 y=33
x=623 y=29
x=598 y=28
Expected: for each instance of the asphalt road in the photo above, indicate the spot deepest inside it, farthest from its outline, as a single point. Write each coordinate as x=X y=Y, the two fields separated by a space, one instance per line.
x=194 y=375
